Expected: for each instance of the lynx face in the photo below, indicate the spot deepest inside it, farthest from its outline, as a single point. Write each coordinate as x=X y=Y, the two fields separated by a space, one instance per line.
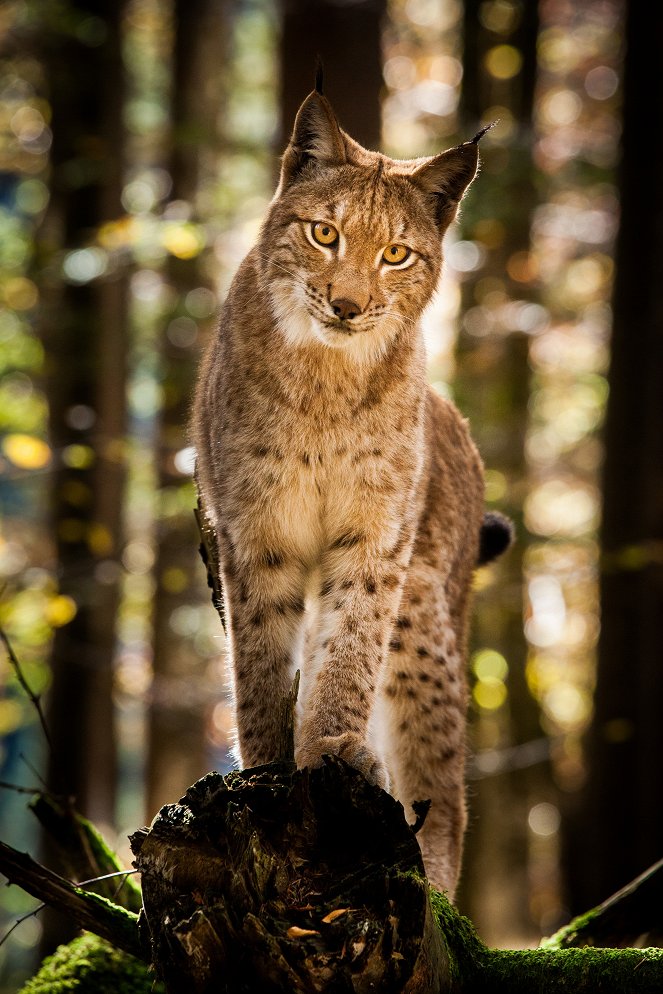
x=351 y=246
x=365 y=255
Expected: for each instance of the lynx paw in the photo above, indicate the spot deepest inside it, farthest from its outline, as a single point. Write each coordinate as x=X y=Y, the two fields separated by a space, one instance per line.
x=350 y=748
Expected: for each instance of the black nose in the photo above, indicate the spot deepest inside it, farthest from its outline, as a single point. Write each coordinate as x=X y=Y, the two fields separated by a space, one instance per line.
x=344 y=309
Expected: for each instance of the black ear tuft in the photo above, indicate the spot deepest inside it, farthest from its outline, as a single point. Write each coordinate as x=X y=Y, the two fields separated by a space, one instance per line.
x=316 y=140
x=320 y=75
x=497 y=534
x=479 y=135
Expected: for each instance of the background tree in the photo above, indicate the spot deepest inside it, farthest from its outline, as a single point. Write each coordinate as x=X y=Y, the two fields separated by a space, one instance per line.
x=347 y=37
x=493 y=388
x=626 y=738
x=179 y=707
x=84 y=330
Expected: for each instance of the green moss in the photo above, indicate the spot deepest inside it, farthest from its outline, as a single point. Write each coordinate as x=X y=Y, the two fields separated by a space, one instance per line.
x=465 y=948
x=542 y=971
x=479 y=970
x=566 y=934
x=128 y=893
x=90 y=965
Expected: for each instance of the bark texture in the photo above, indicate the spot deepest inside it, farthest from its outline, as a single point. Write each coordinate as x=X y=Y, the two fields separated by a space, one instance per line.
x=276 y=879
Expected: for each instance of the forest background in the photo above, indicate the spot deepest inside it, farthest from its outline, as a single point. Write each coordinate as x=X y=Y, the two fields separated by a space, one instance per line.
x=139 y=144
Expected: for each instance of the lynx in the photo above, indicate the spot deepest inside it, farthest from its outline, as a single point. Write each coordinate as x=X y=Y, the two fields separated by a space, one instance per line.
x=346 y=496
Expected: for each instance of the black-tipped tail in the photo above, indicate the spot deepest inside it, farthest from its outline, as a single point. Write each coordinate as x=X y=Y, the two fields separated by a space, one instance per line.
x=497 y=534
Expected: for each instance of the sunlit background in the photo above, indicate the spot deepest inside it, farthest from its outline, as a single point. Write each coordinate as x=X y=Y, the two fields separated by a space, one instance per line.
x=518 y=335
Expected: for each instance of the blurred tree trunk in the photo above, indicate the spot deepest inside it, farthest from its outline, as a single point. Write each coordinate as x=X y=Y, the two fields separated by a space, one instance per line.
x=347 y=37
x=492 y=387
x=84 y=328
x=177 y=719
x=620 y=824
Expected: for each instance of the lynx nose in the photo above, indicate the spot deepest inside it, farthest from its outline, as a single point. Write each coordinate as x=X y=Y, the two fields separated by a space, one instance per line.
x=345 y=309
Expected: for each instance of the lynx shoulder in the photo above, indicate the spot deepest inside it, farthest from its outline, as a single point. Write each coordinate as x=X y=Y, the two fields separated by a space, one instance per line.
x=346 y=496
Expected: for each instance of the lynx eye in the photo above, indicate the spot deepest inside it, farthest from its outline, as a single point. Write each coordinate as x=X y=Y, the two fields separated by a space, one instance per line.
x=393 y=254
x=324 y=234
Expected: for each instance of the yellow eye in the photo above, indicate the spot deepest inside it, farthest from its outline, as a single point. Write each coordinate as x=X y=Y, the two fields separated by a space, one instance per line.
x=393 y=254
x=324 y=234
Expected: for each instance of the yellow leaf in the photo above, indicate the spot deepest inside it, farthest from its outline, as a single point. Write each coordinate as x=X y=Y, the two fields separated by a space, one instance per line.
x=294 y=932
x=333 y=915
x=78 y=456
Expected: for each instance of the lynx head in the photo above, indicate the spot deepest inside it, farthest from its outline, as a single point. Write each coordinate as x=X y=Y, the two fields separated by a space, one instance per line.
x=351 y=247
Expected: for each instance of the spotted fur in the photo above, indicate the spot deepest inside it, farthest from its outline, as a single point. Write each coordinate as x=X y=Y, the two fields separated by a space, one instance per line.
x=347 y=497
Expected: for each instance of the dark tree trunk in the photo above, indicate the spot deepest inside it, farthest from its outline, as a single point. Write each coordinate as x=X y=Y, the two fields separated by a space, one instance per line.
x=621 y=821
x=493 y=388
x=347 y=37
x=84 y=329
x=177 y=719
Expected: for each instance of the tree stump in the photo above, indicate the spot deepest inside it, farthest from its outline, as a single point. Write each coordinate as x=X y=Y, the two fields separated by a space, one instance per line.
x=277 y=879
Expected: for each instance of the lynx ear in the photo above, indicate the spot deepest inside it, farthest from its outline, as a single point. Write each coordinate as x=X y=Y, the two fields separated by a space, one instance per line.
x=316 y=139
x=446 y=177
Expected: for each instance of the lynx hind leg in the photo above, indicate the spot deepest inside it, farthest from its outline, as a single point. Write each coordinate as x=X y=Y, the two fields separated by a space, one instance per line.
x=424 y=699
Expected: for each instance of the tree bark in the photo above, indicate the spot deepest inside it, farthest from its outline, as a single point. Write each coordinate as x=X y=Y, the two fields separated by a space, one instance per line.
x=343 y=35
x=84 y=329
x=492 y=387
x=177 y=752
x=85 y=334
x=277 y=879
x=626 y=738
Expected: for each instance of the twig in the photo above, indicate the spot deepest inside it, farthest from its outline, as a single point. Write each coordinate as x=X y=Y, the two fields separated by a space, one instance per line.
x=106 y=876
x=33 y=769
x=34 y=698
x=421 y=809
x=19 y=921
x=5 y=785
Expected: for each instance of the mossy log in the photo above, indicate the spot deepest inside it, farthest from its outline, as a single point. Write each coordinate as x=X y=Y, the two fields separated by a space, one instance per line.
x=276 y=880
x=91 y=965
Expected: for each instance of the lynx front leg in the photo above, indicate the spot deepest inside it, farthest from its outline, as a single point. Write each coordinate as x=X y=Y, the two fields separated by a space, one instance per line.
x=359 y=598
x=265 y=598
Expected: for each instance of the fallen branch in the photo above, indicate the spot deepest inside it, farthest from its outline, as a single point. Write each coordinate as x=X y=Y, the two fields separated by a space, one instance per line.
x=89 y=911
x=634 y=915
x=83 y=852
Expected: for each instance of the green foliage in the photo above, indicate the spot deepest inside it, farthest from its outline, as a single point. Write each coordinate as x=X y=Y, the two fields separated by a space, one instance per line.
x=90 y=965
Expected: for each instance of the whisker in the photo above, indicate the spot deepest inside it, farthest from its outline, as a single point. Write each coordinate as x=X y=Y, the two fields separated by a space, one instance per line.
x=270 y=259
